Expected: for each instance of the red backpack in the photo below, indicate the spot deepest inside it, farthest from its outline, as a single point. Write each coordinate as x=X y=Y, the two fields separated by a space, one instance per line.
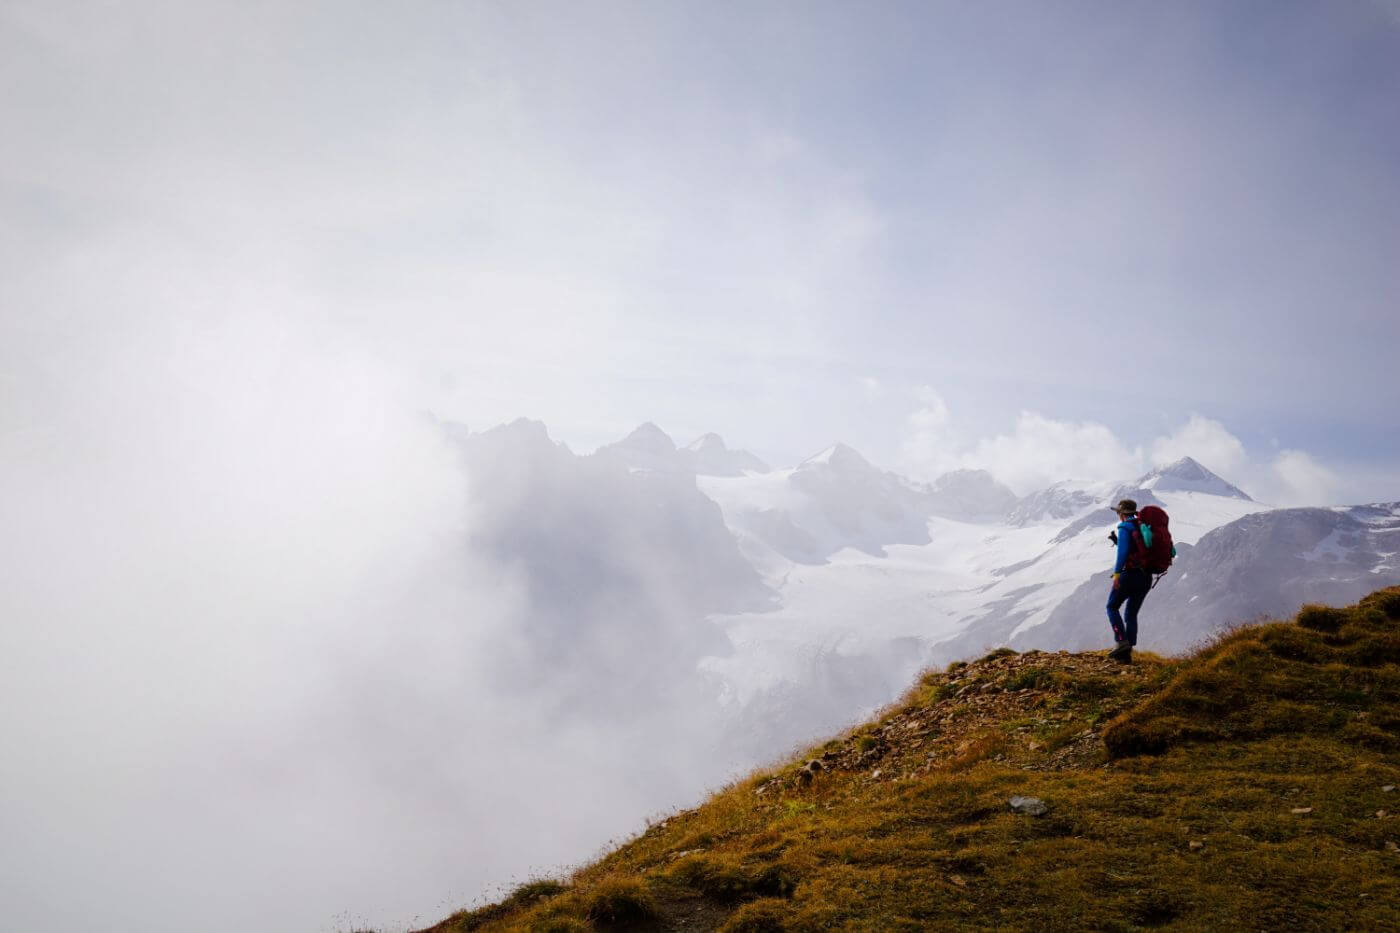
x=1152 y=542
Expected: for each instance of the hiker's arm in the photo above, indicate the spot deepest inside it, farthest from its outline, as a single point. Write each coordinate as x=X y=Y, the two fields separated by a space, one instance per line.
x=1125 y=547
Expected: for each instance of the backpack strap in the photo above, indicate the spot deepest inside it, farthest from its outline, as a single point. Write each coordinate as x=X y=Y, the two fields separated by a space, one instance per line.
x=1137 y=554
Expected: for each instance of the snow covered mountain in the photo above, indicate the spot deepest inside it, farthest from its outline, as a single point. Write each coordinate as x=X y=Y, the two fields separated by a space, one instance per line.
x=1264 y=564
x=805 y=596
x=1062 y=500
x=652 y=449
x=709 y=457
x=1186 y=475
x=602 y=557
x=829 y=502
x=679 y=606
x=970 y=495
x=646 y=448
x=943 y=583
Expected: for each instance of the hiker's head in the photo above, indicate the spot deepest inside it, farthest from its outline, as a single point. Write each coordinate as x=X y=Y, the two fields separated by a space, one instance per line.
x=1126 y=508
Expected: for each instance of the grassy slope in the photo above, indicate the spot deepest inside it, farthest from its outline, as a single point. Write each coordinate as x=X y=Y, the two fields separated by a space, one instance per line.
x=1241 y=788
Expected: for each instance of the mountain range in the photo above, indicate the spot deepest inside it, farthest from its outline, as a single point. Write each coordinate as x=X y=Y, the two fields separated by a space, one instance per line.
x=824 y=587
x=657 y=619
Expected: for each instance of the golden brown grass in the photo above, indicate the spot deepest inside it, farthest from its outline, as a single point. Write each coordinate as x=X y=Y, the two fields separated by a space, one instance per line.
x=1240 y=788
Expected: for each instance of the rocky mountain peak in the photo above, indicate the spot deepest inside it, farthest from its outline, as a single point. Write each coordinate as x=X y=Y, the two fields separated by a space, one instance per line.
x=839 y=458
x=648 y=436
x=1188 y=475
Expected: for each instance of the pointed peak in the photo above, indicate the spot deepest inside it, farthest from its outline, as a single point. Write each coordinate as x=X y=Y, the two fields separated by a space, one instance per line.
x=967 y=480
x=520 y=434
x=1188 y=475
x=1186 y=467
x=523 y=427
x=649 y=436
x=709 y=456
x=707 y=442
x=838 y=456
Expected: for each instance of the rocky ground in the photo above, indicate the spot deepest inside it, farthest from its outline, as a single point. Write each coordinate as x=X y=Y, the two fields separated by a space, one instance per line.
x=1039 y=711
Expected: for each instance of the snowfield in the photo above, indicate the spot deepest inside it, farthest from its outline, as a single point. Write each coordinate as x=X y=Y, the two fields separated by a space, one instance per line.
x=929 y=592
x=861 y=562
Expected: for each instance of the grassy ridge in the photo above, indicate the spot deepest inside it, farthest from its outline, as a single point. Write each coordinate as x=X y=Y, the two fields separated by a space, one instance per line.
x=1241 y=788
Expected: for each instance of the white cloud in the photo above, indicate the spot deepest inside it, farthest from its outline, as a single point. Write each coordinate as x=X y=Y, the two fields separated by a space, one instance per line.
x=1041 y=451
x=1299 y=479
x=1207 y=441
x=935 y=409
x=1038 y=450
x=264 y=602
x=928 y=447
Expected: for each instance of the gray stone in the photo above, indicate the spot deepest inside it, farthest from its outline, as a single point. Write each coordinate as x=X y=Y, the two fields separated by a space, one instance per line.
x=1030 y=806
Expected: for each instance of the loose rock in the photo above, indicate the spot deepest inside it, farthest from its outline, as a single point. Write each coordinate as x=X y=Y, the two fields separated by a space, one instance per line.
x=1300 y=811
x=1030 y=806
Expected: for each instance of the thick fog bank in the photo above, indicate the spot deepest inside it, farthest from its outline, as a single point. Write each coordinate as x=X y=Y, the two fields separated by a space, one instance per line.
x=280 y=655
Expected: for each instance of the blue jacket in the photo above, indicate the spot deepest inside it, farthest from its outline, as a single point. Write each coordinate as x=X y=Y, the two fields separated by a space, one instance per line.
x=1125 y=544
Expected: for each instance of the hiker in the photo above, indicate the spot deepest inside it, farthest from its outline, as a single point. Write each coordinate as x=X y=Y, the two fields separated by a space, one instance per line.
x=1131 y=581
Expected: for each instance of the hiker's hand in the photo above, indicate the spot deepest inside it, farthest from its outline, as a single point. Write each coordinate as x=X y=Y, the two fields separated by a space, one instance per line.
x=1113 y=536
x=1115 y=581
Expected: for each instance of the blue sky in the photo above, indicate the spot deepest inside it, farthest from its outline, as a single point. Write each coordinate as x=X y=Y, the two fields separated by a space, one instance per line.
x=788 y=223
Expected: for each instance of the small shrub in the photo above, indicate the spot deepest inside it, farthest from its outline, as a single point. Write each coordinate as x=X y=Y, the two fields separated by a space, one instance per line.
x=1126 y=737
x=1387 y=601
x=528 y=894
x=1321 y=618
x=560 y=925
x=616 y=901
x=1374 y=651
x=1027 y=679
x=1086 y=686
x=1368 y=736
x=532 y=891
x=1001 y=652
x=1155 y=908
x=866 y=742
x=1295 y=644
x=1063 y=735
x=764 y=916
x=978 y=748
x=729 y=881
x=695 y=841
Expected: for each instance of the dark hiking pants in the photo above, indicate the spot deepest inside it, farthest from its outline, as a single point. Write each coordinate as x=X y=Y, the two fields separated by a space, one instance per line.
x=1132 y=589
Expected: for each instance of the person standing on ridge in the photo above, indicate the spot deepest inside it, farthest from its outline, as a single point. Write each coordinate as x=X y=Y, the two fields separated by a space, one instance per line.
x=1131 y=582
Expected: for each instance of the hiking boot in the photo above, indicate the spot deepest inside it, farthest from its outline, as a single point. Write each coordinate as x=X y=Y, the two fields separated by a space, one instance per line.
x=1122 y=652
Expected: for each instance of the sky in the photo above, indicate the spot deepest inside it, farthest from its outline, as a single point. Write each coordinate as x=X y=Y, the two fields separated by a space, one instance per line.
x=785 y=223
x=246 y=247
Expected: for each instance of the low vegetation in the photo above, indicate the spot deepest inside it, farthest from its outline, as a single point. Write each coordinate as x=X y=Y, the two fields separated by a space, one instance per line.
x=1250 y=786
